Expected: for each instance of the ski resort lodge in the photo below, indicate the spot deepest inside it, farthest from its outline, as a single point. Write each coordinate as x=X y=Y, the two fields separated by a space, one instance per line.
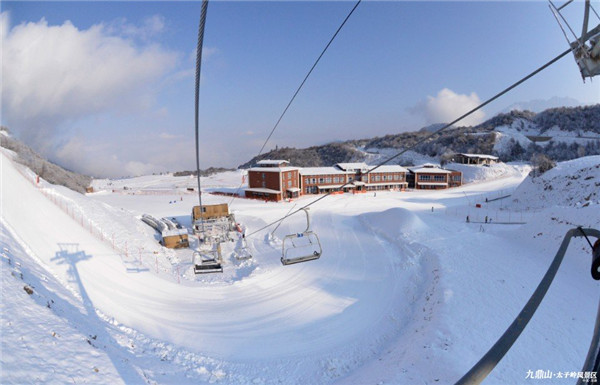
x=275 y=180
x=431 y=177
x=478 y=159
x=355 y=176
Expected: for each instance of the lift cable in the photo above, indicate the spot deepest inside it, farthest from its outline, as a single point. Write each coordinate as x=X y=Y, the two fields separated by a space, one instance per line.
x=299 y=88
x=489 y=361
x=435 y=133
x=198 y=64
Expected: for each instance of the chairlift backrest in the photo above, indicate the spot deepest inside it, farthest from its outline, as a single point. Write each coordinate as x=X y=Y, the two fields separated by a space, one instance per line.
x=307 y=250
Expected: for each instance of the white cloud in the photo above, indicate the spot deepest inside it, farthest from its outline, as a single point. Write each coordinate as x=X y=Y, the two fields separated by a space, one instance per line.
x=447 y=105
x=54 y=74
x=149 y=28
x=103 y=159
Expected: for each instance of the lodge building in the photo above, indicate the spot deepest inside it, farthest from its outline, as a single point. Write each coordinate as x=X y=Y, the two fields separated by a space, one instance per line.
x=477 y=159
x=275 y=180
x=432 y=177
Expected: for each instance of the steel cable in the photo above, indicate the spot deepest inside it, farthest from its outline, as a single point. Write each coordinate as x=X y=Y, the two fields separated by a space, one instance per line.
x=299 y=88
x=435 y=133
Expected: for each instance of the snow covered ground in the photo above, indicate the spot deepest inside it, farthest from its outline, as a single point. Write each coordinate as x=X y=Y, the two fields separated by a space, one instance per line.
x=406 y=291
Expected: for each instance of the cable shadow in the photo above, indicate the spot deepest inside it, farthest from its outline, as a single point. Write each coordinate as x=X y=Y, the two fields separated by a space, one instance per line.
x=69 y=254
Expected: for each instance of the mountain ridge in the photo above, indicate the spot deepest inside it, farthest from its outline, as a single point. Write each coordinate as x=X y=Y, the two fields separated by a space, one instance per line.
x=573 y=132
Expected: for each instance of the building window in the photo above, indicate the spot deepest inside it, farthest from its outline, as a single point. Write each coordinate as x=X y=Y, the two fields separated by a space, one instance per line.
x=328 y=180
x=396 y=177
x=336 y=179
x=306 y=180
x=456 y=178
x=289 y=183
x=321 y=180
x=424 y=177
x=350 y=179
x=264 y=184
x=289 y=175
x=263 y=175
x=439 y=178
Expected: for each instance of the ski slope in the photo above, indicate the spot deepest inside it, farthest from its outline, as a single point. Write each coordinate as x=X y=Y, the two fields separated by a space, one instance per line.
x=405 y=292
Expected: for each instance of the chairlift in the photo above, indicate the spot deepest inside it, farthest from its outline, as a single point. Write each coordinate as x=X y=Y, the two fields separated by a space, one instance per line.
x=301 y=247
x=242 y=252
x=585 y=48
x=206 y=261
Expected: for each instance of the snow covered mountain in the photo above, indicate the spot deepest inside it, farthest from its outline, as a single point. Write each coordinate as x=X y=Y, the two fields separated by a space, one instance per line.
x=561 y=133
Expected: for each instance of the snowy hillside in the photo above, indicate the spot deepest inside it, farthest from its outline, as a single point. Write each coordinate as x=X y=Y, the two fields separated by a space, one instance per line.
x=561 y=133
x=575 y=183
x=406 y=290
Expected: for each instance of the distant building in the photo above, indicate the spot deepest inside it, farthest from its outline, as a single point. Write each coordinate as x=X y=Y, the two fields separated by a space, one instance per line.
x=316 y=180
x=478 y=159
x=273 y=180
x=386 y=177
x=352 y=177
x=432 y=177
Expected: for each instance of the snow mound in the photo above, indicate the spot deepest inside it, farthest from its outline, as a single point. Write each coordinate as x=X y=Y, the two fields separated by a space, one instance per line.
x=575 y=183
x=473 y=173
x=393 y=224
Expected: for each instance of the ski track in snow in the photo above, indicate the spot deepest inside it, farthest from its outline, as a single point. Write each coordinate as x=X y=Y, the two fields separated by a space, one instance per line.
x=408 y=294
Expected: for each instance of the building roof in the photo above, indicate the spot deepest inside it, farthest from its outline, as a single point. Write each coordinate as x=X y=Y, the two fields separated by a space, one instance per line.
x=322 y=171
x=328 y=186
x=432 y=183
x=482 y=156
x=273 y=169
x=293 y=189
x=353 y=166
x=263 y=190
x=389 y=168
x=272 y=162
x=386 y=184
x=428 y=168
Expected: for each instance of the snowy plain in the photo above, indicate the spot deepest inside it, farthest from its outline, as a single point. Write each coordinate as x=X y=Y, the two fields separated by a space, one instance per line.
x=406 y=290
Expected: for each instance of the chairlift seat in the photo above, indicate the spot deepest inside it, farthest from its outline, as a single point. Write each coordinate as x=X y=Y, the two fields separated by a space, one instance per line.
x=204 y=263
x=296 y=252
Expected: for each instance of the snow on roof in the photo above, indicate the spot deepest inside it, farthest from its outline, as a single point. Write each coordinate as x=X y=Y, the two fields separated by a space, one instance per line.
x=387 y=183
x=272 y=162
x=263 y=190
x=328 y=186
x=273 y=169
x=429 y=168
x=432 y=184
x=352 y=166
x=483 y=156
x=293 y=189
x=389 y=168
x=321 y=171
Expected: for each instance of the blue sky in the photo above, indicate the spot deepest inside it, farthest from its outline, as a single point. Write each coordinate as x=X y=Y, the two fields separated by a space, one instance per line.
x=106 y=88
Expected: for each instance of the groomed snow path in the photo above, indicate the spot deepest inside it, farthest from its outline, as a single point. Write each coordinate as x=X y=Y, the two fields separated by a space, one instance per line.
x=309 y=322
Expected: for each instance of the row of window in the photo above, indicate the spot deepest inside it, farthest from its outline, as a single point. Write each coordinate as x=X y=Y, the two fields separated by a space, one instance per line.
x=437 y=178
x=377 y=178
x=341 y=179
x=286 y=175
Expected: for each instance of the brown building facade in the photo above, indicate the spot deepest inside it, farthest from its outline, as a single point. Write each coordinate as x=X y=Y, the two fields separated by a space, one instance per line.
x=273 y=180
x=431 y=177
